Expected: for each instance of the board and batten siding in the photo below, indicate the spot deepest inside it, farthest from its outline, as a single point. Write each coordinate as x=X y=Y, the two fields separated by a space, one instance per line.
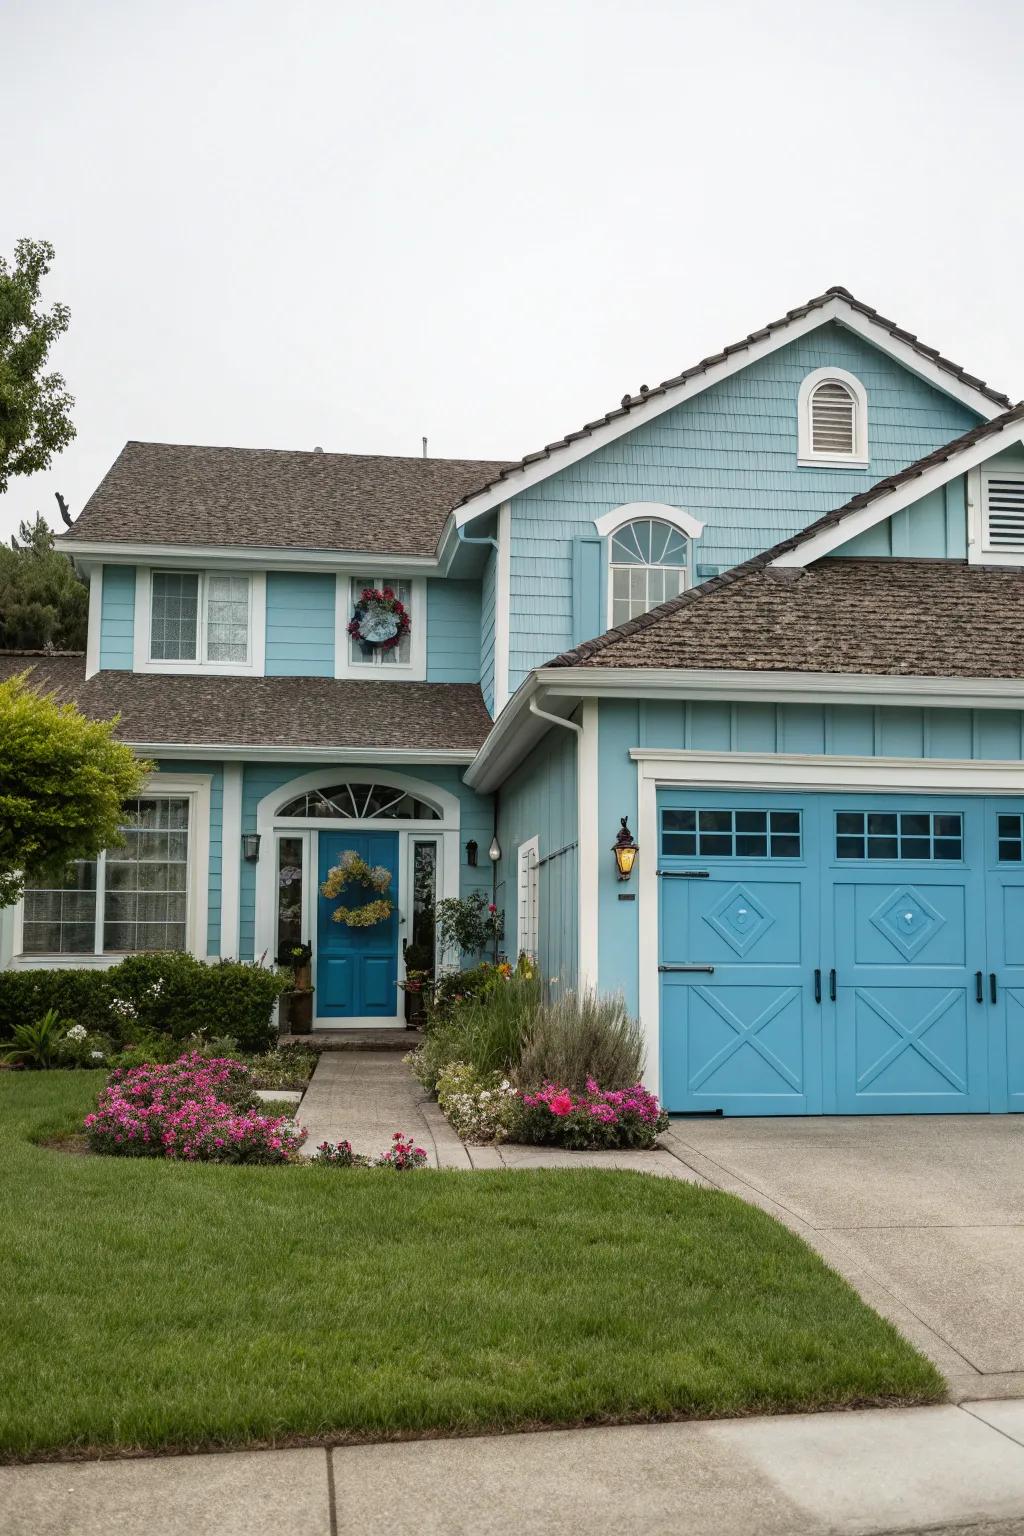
x=729 y=457
x=117 y=618
x=300 y=624
x=839 y=730
x=477 y=820
x=453 y=632
x=540 y=800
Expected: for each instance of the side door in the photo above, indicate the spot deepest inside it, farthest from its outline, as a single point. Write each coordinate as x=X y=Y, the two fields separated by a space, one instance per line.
x=740 y=1026
x=1004 y=982
x=357 y=967
x=909 y=1031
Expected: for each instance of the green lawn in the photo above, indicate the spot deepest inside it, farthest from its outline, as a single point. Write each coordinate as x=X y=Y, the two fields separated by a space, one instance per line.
x=154 y=1305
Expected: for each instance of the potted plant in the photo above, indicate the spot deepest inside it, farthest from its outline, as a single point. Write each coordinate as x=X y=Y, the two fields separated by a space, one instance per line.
x=419 y=973
x=295 y=1015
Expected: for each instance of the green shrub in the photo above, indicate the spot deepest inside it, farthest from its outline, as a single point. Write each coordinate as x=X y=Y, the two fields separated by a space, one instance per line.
x=35 y=1044
x=485 y=1031
x=166 y=995
x=481 y=1107
x=453 y=988
x=581 y=1036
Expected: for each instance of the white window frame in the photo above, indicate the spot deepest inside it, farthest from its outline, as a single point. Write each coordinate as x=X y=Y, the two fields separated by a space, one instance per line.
x=143 y=661
x=640 y=511
x=805 y=454
x=978 y=551
x=373 y=670
x=528 y=898
x=196 y=789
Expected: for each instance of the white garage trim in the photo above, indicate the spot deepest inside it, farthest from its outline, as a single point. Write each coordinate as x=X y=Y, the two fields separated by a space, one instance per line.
x=775 y=773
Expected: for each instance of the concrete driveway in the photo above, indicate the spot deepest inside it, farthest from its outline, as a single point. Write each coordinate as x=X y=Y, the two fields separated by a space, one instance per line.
x=924 y=1215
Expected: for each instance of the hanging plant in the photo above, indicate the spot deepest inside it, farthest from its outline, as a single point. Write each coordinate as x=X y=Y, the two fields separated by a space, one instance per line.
x=379 y=621
x=350 y=870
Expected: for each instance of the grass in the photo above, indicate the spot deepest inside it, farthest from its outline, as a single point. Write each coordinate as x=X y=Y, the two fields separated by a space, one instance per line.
x=152 y=1305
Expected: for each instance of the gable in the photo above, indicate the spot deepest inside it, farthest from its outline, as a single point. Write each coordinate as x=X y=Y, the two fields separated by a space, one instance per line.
x=728 y=456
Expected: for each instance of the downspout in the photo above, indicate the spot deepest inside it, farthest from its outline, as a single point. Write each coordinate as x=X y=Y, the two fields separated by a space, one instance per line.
x=542 y=714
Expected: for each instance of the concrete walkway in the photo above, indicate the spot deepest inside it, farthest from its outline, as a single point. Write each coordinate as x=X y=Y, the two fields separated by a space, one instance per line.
x=849 y=1474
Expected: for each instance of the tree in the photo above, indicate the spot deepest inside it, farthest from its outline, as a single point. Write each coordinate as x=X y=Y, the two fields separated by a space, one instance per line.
x=42 y=601
x=64 y=782
x=35 y=407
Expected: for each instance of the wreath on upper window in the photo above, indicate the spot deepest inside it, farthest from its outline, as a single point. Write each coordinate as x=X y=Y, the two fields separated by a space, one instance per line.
x=379 y=620
x=351 y=869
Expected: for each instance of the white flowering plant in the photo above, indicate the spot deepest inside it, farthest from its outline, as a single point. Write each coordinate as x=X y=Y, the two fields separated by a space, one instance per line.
x=480 y=1107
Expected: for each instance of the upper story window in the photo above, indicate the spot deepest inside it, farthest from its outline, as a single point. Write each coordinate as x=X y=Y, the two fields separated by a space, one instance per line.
x=386 y=639
x=649 y=562
x=194 y=620
x=832 y=420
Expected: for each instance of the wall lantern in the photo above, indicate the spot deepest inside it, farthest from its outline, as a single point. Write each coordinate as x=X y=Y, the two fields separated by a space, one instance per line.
x=625 y=850
x=494 y=851
x=250 y=847
x=471 y=848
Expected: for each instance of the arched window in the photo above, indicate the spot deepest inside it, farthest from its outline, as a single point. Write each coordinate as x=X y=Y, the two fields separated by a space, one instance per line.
x=649 y=562
x=360 y=802
x=833 y=420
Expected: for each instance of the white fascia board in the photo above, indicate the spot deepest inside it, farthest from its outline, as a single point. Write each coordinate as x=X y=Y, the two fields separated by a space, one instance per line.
x=813 y=771
x=514 y=732
x=335 y=755
x=847 y=528
x=644 y=411
x=782 y=687
x=205 y=557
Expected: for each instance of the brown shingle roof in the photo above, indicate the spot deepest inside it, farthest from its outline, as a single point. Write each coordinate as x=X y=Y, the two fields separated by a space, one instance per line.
x=913 y=618
x=630 y=402
x=265 y=711
x=174 y=493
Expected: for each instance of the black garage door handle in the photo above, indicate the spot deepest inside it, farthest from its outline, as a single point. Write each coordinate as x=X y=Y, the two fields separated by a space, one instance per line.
x=992 y=989
x=817 y=986
x=832 y=984
x=979 y=995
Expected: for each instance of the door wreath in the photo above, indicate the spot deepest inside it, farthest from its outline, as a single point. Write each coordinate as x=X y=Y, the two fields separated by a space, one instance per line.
x=379 y=621
x=352 y=869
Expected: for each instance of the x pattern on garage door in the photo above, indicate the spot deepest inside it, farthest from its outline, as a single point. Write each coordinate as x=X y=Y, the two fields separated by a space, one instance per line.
x=855 y=954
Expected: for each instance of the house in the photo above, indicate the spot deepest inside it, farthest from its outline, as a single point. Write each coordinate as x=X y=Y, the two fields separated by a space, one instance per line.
x=771 y=612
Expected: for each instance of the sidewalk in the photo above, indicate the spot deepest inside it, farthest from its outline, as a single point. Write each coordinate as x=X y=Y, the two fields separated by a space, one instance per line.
x=849 y=1474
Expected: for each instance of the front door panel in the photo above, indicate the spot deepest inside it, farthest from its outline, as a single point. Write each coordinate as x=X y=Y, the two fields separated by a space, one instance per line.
x=357 y=968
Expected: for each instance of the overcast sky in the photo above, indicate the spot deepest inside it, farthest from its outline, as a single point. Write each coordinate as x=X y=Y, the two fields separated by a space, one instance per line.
x=355 y=224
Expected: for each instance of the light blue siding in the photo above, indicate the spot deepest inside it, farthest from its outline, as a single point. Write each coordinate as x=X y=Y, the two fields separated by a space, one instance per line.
x=487 y=619
x=854 y=730
x=539 y=800
x=261 y=779
x=729 y=457
x=934 y=527
x=117 y=618
x=300 y=624
x=453 y=632
x=216 y=772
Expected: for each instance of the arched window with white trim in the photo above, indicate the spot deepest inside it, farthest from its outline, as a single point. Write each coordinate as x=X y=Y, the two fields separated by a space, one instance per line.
x=649 y=562
x=833 y=420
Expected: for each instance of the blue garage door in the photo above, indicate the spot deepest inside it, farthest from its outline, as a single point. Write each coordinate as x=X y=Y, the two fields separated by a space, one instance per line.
x=853 y=954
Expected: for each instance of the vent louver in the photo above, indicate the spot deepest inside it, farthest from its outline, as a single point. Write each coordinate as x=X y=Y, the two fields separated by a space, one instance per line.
x=1004 y=513
x=833 y=426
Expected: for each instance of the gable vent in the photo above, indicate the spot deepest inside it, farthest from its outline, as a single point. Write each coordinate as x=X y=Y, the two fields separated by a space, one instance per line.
x=1004 y=513
x=833 y=425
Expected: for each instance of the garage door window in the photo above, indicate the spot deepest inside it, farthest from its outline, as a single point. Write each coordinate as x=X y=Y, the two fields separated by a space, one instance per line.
x=731 y=834
x=899 y=835
x=1011 y=839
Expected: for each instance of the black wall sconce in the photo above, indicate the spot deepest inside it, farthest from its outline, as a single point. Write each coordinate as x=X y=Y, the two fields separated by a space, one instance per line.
x=471 y=851
x=250 y=847
x=625 y=849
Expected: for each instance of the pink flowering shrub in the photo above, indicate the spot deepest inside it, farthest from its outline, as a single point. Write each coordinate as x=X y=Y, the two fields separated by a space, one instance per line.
x=198 y=1109
x=339 y=1154
x=402 y=1154
x=593 y=1120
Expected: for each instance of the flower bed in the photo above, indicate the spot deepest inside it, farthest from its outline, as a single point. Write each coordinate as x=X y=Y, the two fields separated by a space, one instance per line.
x=593 y=1120
x=197 y=1109
x=400 y=1156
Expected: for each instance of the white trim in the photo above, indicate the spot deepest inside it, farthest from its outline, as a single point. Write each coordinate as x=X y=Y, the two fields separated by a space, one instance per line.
x=247 y=753
x=848 y=527
x=643 y=411
x=774 y=773
x=412 y=671
x=196 y=786
x=142 y=636
x=527 y=898
x=231 y=862
x=220 y=557
x=860 y=458
x=686 y=523
x=502 y=608
x=94 y=630
x=588 y=835
x=979 y=552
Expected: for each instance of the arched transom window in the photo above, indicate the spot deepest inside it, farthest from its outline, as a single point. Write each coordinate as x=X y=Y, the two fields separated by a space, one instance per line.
x=649 y=562
x=833 y=424
x=360 y=802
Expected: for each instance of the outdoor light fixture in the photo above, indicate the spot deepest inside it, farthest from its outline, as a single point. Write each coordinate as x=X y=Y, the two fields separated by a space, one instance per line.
x=250 y=847
x=494 y=851
x=471 y=848
x=625 y=850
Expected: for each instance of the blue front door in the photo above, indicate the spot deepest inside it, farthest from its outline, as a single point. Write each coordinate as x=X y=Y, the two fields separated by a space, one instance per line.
x=357 y=968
